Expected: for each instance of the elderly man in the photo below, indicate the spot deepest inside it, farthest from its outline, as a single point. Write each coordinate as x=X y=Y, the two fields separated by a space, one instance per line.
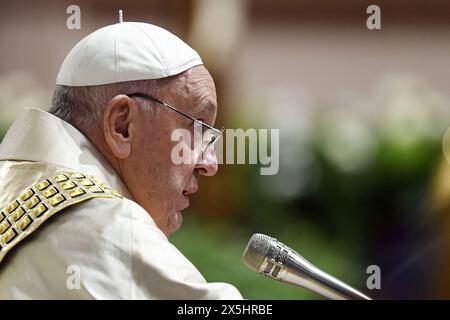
x=89 y=192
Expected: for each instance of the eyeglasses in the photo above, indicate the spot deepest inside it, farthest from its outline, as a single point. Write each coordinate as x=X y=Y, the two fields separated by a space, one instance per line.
x=210 y=137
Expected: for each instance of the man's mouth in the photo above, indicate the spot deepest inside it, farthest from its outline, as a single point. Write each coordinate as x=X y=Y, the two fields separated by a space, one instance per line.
x=185 y=202
x=191 y=189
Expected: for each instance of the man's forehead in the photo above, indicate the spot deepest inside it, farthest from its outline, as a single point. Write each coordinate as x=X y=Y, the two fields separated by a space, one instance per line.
x=207 y=106
x=197 y=88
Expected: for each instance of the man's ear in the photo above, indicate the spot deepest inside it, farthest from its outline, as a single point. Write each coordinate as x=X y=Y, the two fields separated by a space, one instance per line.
x=117 y=124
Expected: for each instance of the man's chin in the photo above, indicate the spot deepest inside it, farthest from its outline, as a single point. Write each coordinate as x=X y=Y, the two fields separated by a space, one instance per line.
x=174 y=224
x=179 y=220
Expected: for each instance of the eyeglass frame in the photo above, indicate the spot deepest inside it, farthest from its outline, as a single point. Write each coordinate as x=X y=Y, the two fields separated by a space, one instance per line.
x=214 y=139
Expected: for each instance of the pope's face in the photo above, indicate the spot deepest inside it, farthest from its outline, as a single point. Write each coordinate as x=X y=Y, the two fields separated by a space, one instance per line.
x=158 y=184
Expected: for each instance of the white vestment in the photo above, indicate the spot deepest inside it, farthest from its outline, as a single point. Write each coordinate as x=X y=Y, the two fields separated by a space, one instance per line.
x=103 y=248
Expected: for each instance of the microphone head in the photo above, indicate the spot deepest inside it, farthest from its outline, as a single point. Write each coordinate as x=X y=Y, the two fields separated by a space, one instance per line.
x=257 y=250
x=268 y=256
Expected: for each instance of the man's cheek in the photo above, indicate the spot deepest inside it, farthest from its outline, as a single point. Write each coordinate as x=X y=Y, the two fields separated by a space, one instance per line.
x=178 y=177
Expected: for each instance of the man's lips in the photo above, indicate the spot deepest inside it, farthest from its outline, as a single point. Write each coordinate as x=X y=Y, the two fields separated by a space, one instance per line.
x=184 y=203
x=191 y=189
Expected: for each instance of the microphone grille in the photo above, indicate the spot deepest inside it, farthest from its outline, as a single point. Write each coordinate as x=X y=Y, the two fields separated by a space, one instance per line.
x=256 y=251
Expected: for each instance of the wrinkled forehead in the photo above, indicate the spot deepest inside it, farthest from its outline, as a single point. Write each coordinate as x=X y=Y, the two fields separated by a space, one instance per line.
x=194 y=90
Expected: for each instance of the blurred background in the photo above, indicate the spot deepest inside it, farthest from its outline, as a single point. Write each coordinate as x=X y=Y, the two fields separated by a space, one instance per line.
x=362 y=114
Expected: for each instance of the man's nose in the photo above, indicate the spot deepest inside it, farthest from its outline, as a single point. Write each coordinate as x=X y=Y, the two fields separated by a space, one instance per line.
x=207 y=164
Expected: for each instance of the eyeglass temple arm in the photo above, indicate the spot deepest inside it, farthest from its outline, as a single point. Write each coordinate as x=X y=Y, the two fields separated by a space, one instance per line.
x=143 y=95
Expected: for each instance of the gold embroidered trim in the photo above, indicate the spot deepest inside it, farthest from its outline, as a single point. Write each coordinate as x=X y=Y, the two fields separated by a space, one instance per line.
x=37 y=203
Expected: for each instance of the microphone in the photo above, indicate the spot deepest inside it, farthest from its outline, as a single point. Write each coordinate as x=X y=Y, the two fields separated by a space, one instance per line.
x=272 y=258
